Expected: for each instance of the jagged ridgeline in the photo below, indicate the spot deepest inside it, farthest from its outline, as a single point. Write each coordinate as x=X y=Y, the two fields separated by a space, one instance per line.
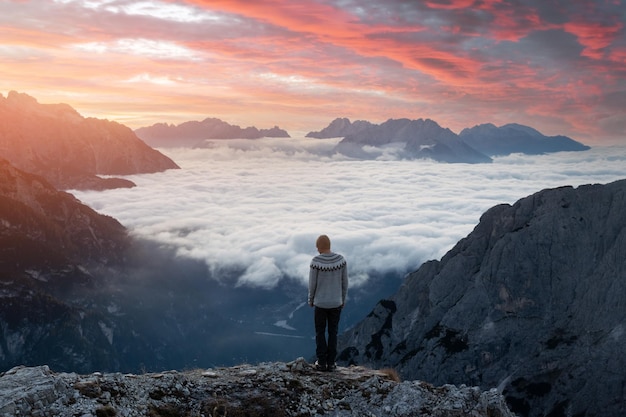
x=532 y=301
x=425 y=139
x=71 y=151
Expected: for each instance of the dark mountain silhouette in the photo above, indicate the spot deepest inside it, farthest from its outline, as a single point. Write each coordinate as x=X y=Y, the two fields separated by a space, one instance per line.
x=54 y=141
x=426 y=139
x=533 y=301
x=339 y=128
x=420 y=139
x=515 y=138
x=193 y=133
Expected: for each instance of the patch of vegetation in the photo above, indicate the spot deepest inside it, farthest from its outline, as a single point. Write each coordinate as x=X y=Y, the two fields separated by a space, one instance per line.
x=165 y=411
x=157 y=394
x=391 y=374
x=106 y=411
x=89 y=389
x=253 y=407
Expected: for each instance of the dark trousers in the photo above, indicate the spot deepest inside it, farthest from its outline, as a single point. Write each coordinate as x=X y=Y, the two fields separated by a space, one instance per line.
x=326 y=351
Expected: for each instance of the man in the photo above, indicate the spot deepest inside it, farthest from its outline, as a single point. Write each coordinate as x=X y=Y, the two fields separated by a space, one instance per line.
x=328 y=285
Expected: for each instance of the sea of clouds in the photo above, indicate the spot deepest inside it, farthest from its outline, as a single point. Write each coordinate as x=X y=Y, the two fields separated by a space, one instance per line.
x=260 y=204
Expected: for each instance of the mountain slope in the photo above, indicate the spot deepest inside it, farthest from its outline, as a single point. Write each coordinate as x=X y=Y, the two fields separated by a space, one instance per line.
x=54 y=141
x=33 y=214
x=49 y=243
x=533 y=301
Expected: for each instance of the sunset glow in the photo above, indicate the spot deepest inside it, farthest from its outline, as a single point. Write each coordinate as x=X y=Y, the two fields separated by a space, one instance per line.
x=559 y=67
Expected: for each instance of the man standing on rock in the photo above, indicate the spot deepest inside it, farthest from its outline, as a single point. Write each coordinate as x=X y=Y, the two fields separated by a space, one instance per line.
x=328 y=286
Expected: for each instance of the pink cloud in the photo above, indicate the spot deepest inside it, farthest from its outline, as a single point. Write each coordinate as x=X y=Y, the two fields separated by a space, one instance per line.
x=456 y=61
x=595 y=37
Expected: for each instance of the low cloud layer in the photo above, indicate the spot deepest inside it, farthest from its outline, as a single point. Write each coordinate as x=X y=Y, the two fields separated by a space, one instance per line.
x=258 y=205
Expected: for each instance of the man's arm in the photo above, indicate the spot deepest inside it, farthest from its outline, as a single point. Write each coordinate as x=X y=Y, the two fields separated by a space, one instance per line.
x=312 y=285
x=344 y=284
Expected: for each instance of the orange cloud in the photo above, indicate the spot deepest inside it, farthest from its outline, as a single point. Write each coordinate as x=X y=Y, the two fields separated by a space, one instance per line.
x=456 y=61
x=595 y=37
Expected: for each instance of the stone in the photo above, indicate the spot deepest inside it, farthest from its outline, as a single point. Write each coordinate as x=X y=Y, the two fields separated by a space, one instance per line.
x=272 y=389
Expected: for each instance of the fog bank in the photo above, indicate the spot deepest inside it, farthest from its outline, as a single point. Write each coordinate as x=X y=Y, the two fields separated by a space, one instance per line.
x=259 y=204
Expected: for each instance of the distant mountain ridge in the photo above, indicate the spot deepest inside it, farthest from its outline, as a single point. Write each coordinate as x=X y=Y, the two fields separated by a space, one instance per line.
x=421 y=139
x=425 y=139
x=339 y=128
x=531 y=301
x=70 y=151
x=193 y=133
x=516 y=138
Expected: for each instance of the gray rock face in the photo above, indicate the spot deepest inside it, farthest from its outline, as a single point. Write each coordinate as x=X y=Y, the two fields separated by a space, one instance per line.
x=515 y=138
x=533 y=301
x=268 y=389
x=54 y=141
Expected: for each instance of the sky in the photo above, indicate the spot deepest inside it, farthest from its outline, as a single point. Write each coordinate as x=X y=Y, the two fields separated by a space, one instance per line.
x=259 y=205
x=558 y=66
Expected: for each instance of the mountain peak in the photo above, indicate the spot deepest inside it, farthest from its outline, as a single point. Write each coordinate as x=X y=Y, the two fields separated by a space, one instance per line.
x=70 y=151
x=16 y=98
x=516 y=138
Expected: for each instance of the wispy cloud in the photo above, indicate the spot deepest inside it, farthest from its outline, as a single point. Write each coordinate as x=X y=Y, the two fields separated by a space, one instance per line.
x=258 y=205
x=550 y=65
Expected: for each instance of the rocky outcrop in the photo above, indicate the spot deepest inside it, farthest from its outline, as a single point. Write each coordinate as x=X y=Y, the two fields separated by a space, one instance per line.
x=267 y=389
x=420 y=139
x=43 y=229
x=532 y=301
x=515 y=138
x=193 y=133
x=339 y=128
x=54 y=141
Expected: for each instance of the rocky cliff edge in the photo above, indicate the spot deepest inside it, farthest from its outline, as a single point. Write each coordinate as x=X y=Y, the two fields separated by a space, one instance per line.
x=267 y=389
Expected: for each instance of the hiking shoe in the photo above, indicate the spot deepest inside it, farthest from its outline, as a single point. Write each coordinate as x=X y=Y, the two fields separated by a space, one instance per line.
x=319 y=366
x=332 y=367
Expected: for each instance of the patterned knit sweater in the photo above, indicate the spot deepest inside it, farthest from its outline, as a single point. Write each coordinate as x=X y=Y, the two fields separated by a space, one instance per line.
x=328 y=280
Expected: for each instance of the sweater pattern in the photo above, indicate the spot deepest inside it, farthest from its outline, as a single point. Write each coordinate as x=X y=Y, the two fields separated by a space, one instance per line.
x=328 y=263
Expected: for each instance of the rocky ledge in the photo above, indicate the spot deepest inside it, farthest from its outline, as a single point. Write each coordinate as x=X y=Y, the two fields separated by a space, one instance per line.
x=266 y=389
